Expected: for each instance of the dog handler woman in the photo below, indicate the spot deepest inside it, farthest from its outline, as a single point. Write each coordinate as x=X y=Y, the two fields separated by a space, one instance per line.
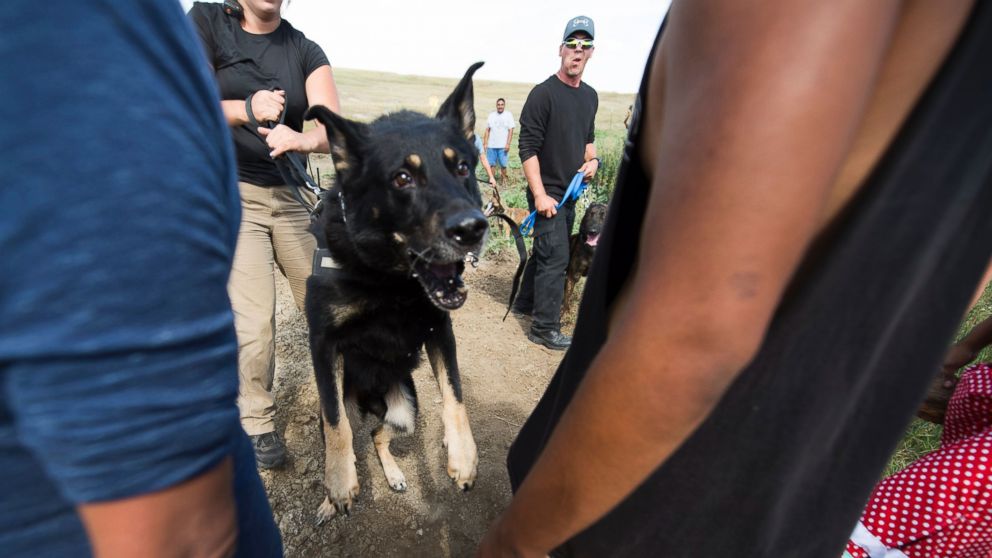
x=264 y=65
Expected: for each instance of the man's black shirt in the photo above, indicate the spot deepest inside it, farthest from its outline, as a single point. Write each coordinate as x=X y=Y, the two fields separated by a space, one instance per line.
x=556 y=123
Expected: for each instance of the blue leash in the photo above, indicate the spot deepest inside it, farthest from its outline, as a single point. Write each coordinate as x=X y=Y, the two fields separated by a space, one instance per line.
x=574 y=190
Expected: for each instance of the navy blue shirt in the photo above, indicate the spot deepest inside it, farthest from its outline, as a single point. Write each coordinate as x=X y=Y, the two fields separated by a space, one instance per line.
x=118 y=221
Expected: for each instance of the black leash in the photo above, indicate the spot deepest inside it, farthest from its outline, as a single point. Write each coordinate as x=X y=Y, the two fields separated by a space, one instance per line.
x=290 y=167
x=495 y=209
x=518 y=239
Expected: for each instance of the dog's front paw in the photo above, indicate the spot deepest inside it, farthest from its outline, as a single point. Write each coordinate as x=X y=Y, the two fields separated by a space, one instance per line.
x=396 y=480
x=328 y=510
x=340 y=506
x=462 y=460
x=341 y=485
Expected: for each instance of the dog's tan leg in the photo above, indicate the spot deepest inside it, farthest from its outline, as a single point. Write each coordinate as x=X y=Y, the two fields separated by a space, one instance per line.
x=462 y=454
x=394 y=476
x=400 y=418
x=340 y=474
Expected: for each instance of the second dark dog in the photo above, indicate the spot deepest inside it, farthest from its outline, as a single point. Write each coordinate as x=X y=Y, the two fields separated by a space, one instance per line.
x=582 y=246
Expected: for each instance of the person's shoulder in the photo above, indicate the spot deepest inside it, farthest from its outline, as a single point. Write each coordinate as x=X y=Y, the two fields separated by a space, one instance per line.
x=203 y=7
x=544 y=88
x=295 y=34
x=206 y=11
x=287 y=28
x=549 y=83
x=307 y=49
x=588 y=89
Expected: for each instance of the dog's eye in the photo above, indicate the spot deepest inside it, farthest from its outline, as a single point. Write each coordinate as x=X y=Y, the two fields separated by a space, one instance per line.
x=463 y=169
x=403 y=179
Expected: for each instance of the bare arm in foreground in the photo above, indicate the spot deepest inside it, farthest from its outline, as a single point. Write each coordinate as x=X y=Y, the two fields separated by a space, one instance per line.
x=194 y=518
x=744 y=143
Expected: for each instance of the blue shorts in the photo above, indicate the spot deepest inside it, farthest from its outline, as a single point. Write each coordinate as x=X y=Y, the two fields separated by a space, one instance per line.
x=498 y=156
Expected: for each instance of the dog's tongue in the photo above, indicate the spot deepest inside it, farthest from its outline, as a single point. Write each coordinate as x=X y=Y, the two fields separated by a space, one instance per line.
x=592 y=239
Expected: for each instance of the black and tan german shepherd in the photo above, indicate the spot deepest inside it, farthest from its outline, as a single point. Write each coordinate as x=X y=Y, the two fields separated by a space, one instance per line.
x=399 y=223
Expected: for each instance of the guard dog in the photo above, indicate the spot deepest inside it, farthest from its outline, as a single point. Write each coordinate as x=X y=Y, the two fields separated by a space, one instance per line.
x=398 y=224
x=581 y=248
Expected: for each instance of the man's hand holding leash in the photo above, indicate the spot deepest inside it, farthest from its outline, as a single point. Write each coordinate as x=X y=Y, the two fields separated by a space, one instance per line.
x=546 y=205
x=589 y=169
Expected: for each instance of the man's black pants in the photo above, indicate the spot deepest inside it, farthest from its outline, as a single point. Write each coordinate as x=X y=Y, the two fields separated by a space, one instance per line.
x=543 y=283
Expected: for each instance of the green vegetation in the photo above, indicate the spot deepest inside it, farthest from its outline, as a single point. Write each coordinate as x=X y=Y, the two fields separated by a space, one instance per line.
x=515 y=196
x=610 y=151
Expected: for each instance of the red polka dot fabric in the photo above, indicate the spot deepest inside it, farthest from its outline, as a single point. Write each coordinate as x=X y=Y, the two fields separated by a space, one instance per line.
x=941 y=505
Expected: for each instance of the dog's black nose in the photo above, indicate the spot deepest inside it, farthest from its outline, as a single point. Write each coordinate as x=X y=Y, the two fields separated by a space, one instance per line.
x=466 y=227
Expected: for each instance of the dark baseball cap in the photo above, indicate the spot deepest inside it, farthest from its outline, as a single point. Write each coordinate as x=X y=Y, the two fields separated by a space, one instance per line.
x=580 y=23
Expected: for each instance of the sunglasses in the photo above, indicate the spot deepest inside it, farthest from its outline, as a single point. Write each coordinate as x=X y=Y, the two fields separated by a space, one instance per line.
x=576 y=43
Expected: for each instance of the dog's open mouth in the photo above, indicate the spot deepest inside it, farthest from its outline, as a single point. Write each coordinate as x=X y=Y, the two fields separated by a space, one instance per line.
x=592 y=239
x=442 y=282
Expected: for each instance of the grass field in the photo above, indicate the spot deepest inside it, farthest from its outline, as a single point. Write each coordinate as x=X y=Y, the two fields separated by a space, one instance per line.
x=366 y=95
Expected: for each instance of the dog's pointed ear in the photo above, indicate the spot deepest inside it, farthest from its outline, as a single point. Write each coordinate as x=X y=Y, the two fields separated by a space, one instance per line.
x=459 y=106
x=347 y=138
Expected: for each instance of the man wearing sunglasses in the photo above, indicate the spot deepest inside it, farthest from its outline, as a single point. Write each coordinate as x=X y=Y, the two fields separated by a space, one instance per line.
x=557 y=130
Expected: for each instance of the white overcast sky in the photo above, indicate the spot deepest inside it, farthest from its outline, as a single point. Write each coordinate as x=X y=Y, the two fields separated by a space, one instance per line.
x=518 y=39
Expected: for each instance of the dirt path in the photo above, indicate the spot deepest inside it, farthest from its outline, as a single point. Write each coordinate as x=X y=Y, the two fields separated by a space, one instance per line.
x=503 y=375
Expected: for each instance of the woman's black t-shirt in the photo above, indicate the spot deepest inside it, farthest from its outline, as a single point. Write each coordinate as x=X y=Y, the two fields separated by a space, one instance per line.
x=244 y=63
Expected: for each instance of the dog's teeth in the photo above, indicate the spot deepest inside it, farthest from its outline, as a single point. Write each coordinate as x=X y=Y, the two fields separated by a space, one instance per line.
x=432 y=329
x=451 y=281
x=439 y=294
x=415 y=275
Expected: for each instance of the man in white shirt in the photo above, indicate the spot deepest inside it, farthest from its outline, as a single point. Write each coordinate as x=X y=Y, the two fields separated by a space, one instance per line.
x=499 y=133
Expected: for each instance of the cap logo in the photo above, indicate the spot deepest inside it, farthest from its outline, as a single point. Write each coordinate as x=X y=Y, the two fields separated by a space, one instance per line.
x=578 y=21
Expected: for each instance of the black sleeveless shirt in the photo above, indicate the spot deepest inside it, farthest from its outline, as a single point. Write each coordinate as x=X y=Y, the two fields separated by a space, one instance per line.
x=785 y=463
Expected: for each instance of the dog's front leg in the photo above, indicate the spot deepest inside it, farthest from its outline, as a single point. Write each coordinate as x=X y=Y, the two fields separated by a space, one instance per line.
x=462 y=456
x=340 y=475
